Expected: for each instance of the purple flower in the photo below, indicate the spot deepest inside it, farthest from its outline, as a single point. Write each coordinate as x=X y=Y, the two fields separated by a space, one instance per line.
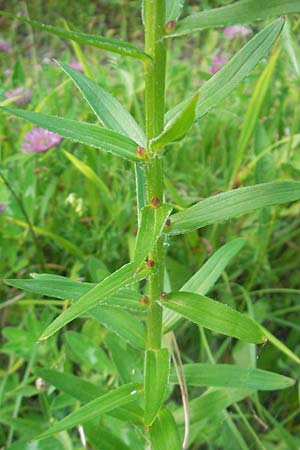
x=2 y=208
x=217 y=62
x=39 y=140
x=5 y=46
x=76 y=65
x=22 y=94
x=236 y=31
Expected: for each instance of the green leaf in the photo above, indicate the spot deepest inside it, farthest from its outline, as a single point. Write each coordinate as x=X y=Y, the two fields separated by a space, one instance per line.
x=84 y=351
x=122 y=323
x=109 y=111
x=291 y=48
x=62 y=242
x=90 y=175
x=178 y=126
x=82 y=132
x=173 y=9
x=77 y=387
x=164 y=432
x=240 y=66
x=123 y=277
x=152 y=224
x=214 y=316
x=225 y=375
x=211 y=403
x=240 y=12
x=256 y=103
x=233 y=204
x=204 y=279
x=57 y=286
x=112 y=45
x=156 y=381
x=95 y=408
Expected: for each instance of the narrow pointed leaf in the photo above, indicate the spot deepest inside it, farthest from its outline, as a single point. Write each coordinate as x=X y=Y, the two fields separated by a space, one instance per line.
x=233 y=204
x=214 y=316
x=226 y=375
x=240 y=12
x=82 y=132
x=112 y=45
x=164 y=432
x=211 y=403
x=101 y=405
x=56 y=286
x=122 y=323
x=84 y=351
x=90 y=175
x=178 y=126
x=204 y=279
x=240 y=66
x=77 y=387
x=123 y=277
x=106 y=107
x=173 y=9
x=152 y=224
x=156 y=381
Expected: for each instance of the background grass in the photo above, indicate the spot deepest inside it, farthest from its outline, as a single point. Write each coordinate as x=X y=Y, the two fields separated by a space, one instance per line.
x=263 y=279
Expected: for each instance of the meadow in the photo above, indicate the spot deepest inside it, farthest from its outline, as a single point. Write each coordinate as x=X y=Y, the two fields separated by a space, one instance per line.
x=79 y=213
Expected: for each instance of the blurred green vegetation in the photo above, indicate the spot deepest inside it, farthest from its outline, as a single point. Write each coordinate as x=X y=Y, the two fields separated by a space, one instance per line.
x=58 y=199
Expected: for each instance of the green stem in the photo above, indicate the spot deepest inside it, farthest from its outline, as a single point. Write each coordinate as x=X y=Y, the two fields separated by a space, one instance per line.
x=154 y=14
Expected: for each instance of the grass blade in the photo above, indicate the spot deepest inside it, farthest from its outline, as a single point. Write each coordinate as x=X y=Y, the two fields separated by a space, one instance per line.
x=233 y=204
x=214 y=316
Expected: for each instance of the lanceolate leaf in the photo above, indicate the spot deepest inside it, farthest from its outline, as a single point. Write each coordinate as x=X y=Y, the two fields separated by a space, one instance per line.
x=214 y=316
x=240 y=66
x=77 y=387
x=233 y=204
x=240 y=12
x=112 y=45
x=123 y=323
x=82 y=132
x=225 y=375
x=204 y=279
x=109 y=111
x=152 y=224
x=95 y=408
x=123 y=277
x=56 y=286
x=178 y=126
x=156 y=381
x=164 y=432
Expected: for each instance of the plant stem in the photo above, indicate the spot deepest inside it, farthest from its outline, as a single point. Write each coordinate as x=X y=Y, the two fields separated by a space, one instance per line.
x=154 y=15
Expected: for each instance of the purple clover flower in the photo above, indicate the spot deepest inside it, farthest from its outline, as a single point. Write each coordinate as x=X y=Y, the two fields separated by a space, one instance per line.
x=40 y=140
x=5 y=46
x=236 y=31
x=217 y=62
x=76 y=65
x=22 y=94
x=2 y=208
